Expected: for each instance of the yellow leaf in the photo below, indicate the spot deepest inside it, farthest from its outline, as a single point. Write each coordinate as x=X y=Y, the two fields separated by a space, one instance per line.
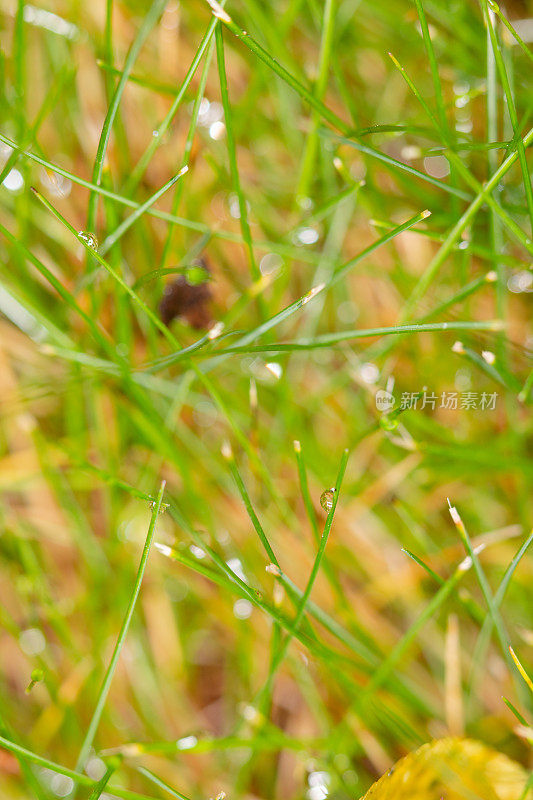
x=452 y=769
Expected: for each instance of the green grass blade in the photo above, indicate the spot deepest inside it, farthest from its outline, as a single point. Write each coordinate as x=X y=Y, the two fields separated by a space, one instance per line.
x=148 y=23
x=161 y=783
x=163 y=127
x=106 y=683
x=77 y=777
x=232 y=155
x=511 y=107
x=114 y=237
x=387 y=666
x=453 y=236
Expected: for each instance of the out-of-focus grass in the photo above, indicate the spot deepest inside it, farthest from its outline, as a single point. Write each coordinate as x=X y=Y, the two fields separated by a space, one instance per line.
x=259 y=662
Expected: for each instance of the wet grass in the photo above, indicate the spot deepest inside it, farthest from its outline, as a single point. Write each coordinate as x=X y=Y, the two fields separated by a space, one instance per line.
x=355 y=177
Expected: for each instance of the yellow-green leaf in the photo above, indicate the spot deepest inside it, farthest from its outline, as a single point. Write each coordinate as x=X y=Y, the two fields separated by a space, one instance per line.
x=452 y=769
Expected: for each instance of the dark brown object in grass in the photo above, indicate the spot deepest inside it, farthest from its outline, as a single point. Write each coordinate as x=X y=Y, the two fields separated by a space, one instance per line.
x=187 y=301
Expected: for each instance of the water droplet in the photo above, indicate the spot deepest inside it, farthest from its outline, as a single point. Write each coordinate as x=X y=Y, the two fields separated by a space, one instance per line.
x=410 y=152
x=61 y=785
x=369 y=372
x=520 y=282
x=89 y=239
x=235 y=565
x=242 y=609
x=14 y=181
x=275 y=368
x=202 y=110
x=95 y=768
x=249 y=713
x=205 y=413
x=187 y=742
x=32 y=641
x=217 y=130
x=197 y=551
x=226 y=450
x=306 y=236
x=267 y=373
x=163 y=548
x=318 y=778
x=461 y=87
x=216 y=330
x=326 y=499
x=304 y=202
x=318 y=785
x=162 y=508
x=270 y=263
x=436 y=166
x=210 y=112
x=310 y=294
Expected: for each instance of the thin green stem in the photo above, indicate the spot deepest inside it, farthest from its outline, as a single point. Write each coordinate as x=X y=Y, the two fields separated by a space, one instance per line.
x=468 y=290
x=232 y=155
x=102 y=784
x=149 y=21
x=266 y=245
x=119 y=279
x=113 y=238
x=279 y=656
x=438 y=260
x=387 y=666
x=511 y=106
x=142 y=164
x=311 y=145
x=488 y=623
x=523 y=46
x=167 y=247
x=483 y=583
x=106 y=683
x=461 y=170
x=285 y=75
x=155 y=779
x=77 y=777
x=396 y=164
